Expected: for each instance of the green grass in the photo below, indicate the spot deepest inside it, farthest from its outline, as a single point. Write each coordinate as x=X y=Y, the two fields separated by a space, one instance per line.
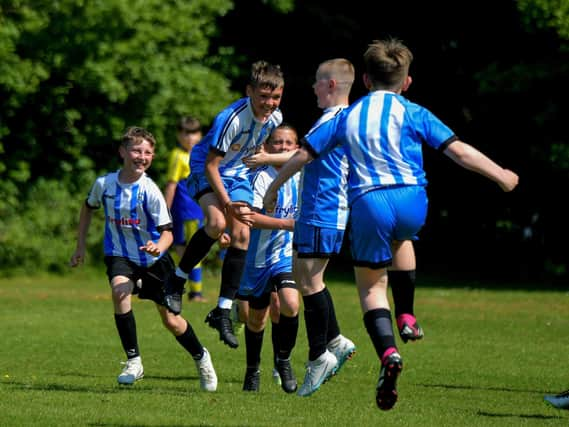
x=488 y=357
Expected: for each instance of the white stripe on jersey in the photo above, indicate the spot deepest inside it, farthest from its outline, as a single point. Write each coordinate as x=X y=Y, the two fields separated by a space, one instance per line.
x=133 y=212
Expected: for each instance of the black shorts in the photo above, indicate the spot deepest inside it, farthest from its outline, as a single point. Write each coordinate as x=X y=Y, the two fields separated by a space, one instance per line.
x=276 y=283
x=152 y=277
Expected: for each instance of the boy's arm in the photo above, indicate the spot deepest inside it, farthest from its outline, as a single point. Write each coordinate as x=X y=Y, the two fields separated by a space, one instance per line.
x=169 y=193
x=264 y=158
x=164 y=242
x=85 y=216
x=292 y=166
x=214 y=178
x=259 y=220
x=472 y=159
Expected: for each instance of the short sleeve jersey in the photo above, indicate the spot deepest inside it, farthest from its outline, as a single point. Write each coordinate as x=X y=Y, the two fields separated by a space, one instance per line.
x=383 y=133
x=183 y=206
x=235 y=134
x=133 y=213
x=323 y=184
x=267 y=247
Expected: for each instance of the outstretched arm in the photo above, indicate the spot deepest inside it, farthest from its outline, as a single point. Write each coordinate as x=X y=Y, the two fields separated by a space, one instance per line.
x=472 y=159
x=264 y=158
x=292 y=166
x=259 y=220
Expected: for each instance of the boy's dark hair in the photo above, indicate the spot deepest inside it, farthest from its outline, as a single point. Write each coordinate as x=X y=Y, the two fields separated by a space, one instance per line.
x=135 y=134
x=264 y=74
x=189 y=124
x=387 y=63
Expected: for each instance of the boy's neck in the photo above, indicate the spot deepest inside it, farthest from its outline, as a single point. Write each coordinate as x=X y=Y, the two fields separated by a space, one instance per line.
x=128 y=178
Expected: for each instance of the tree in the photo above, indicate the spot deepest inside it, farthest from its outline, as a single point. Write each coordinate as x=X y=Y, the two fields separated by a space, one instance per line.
x=73 y=75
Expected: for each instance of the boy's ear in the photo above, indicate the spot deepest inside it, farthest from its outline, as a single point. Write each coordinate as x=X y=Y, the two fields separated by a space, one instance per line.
x=367 y=81
x=406 y=83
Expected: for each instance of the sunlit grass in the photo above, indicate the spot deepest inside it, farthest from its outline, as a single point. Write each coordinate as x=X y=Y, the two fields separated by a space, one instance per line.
x=488 y=357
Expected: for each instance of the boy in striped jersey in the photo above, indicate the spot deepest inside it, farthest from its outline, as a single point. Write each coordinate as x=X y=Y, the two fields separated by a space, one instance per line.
x=138 y=233
x=269 y=267
x=383 y=134
x=219 y=182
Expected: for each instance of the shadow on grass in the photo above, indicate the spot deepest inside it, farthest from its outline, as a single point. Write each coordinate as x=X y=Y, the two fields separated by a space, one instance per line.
x=343 y=273
x=493 y=414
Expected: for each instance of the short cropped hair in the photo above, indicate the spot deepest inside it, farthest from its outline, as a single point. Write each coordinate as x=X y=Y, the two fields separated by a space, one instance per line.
x=189 y=124
x=387 y=63
x=264 y=74
x=135 y=135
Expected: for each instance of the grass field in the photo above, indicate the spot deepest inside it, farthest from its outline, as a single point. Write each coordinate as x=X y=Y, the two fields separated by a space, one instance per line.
x=488 y=357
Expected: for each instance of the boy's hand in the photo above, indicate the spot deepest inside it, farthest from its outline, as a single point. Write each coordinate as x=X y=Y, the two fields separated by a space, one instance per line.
x=509 y=180
x=240 y=211
x=270 y=200
x=255 y=160
x=151 y=248
x=77 y=258
x=224 y=240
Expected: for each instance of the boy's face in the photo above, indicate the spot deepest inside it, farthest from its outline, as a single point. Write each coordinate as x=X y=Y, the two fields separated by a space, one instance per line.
x=322 y=89
x=137 y=158
x=187 y=139
x=282 y=140
x=264 y=101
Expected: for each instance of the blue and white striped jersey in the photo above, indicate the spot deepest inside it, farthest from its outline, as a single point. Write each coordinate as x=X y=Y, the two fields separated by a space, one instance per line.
x=236 y=133
x=383 y=134
x=324 y=201
x=133 y=212
x=267 y=247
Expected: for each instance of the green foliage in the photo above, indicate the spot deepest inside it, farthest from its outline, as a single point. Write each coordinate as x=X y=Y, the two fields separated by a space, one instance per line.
x=546 y=14
x=42 y=236
x=74 y=74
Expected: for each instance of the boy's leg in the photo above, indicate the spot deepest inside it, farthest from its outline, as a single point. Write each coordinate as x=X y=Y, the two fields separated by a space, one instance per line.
x=288 y=331
x=232 y=270
x=402 y=283
x=254 y=333
x=372 y=287
x=198 y=247
x=121 y=288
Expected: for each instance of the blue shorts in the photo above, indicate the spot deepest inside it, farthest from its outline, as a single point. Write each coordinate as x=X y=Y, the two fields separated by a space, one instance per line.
x=238 y=189
x=310 y=241
x=258 y=281
x=184 y=230
x=382 y=216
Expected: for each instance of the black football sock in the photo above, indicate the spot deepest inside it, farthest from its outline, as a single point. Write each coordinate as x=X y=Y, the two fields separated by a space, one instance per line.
x=190 y=342
x=253 y=345
x=198 y=247
x=316 y=317
x=231 y=272
x=126 y=327
x=333 y=327
x=402 y=284
x=380 y=330
x=288 y=331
